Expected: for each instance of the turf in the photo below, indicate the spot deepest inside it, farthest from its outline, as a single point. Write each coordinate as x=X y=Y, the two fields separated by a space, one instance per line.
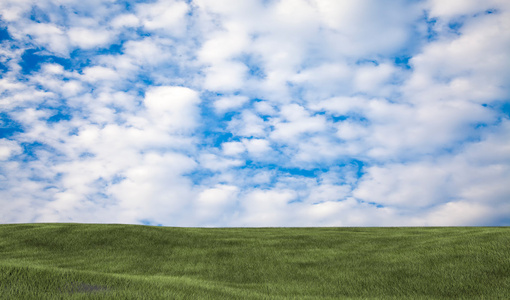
x=88 y=261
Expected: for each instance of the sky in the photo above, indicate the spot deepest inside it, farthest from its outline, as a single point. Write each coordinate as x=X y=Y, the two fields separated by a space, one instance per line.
x=226 y=113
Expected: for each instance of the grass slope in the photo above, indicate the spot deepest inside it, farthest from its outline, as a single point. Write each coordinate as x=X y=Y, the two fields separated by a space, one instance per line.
x=78 y=261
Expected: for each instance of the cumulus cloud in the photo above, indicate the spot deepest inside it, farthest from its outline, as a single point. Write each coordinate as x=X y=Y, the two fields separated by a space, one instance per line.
x=8 y=148
x=164 y=16
x=86 y=38
x=255 y=113
x=172 y=106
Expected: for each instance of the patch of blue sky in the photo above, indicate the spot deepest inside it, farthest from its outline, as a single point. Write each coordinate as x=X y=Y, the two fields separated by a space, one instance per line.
x=375 y=204
x=310 y=173
x=254 y=65
x=201 y=176
x=3 y=69
x=357 y=165
x=8 y=126
x=213 y=126
x=149 y=222
x=140 y=32
x=146 y=222
x=297 y=92
x=32 y=59
x=346 y=167
x=335 y=119
x=505 y=109
x=128 y=5
x=117 y=178
x=138 y=84
x=358 y=118
x=454 y=26
x=4 y=34
x=366 y=61
x=314 y=170
x=38 y=15
x=4 y=37
x=213 y=130
x=431 y=32
x=112 y=49
x=73 y=131
x=86 y=155
x=62 y=114
x=31 y=150
x=402 y=61
x=502 y=108
x=214 y=138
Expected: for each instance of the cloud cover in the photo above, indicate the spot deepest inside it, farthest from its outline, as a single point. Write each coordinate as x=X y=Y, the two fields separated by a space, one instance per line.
x=255 y=113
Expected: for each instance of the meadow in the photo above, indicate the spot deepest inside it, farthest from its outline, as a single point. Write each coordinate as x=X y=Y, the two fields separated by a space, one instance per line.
x=98 y=261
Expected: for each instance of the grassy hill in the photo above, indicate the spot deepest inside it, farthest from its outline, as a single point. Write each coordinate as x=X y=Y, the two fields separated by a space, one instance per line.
x=85 y=261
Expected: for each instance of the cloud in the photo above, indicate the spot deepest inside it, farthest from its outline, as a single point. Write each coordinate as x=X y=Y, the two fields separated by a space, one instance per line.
x=8 y=148
x=225 y=77
x=125 y=20
x=248 y=124
x=172 y=106
x=215 y=203
x=230 y=103
x=50 y=36
x=255 y=113
x=165 y=16
x=87 y=39
x=294 y=122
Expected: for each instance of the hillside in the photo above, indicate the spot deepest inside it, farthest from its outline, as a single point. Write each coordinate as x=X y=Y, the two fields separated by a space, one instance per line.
x=89 y=261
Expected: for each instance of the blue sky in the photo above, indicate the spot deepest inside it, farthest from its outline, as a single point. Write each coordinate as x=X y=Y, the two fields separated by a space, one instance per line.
x=255 y=113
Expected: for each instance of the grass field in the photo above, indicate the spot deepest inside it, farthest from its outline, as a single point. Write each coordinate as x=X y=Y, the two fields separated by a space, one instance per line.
x=79 y=261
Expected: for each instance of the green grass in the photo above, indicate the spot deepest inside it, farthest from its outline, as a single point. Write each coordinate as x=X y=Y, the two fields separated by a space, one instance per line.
x=79 y=261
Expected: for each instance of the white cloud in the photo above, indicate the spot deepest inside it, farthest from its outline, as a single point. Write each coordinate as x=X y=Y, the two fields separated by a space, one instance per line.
x=456 y=8
x=154 y=189
x=233 y=148
x=173 y=106
x=148 y=51
x=213 y=203
x=248 y=124
x=461 y=213
x=224 y=45
x=227 y=76
x=372 y=78
x=125 y=20
x=12 y=10
x=53 y=68
x=325 y=113
x=266 y=207
x=98 y=73
x=216 y=163
x=416 y=185
x=225 y=104
x=296 y=121
x=364 y=27
x=86 y=38
x=349 y=130
x=166 y=16
x=50 y=36
x=472 y=66
x=257 y=146
x=8 y=148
